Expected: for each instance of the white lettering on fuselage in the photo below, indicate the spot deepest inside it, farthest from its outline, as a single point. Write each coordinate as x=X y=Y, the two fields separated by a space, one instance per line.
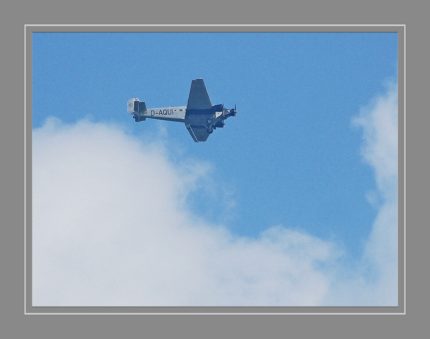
x=168 y=113
x=165 y=111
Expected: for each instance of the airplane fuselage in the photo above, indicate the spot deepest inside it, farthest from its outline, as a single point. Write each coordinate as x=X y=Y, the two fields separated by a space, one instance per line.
x=175 y=113
x=194 y=117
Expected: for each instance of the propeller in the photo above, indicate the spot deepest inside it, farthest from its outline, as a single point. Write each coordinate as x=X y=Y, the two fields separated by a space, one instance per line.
x=233 y=110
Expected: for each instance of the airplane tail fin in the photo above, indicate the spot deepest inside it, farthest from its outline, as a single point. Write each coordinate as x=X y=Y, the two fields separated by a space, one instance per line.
x=136 y=108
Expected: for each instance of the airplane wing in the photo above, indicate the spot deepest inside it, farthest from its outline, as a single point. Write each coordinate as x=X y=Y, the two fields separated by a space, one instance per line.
x=198 y=133
x=198 y=98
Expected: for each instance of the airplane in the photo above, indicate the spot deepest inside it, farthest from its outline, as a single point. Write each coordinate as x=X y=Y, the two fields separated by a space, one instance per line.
x=199 y=116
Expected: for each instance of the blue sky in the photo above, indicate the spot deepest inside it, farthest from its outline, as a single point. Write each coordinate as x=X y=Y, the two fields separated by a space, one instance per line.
x=292 y=155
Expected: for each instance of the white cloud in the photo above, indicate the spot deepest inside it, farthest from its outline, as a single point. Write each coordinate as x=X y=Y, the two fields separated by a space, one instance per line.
x=111 y=227
x=379 y=122
x=373 y=280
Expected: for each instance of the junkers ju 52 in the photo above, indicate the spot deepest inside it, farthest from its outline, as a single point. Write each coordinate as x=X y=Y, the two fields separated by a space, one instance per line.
x=199 y=116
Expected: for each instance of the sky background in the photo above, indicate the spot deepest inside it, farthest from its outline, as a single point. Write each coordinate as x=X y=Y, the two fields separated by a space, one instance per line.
x=297 y=156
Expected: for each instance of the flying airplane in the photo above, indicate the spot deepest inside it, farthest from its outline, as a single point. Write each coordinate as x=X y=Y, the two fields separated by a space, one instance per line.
x=199 y=116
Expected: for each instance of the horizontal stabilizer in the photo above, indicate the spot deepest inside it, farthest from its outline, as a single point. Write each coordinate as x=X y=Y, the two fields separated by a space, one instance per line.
x=135 y=106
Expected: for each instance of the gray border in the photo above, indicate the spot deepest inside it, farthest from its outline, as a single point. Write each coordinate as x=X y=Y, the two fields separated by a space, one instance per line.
x=399 y=29
x=14 y=14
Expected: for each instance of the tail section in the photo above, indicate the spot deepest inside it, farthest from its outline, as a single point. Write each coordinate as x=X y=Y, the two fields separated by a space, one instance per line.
x=137 y=109
x=140 y=112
